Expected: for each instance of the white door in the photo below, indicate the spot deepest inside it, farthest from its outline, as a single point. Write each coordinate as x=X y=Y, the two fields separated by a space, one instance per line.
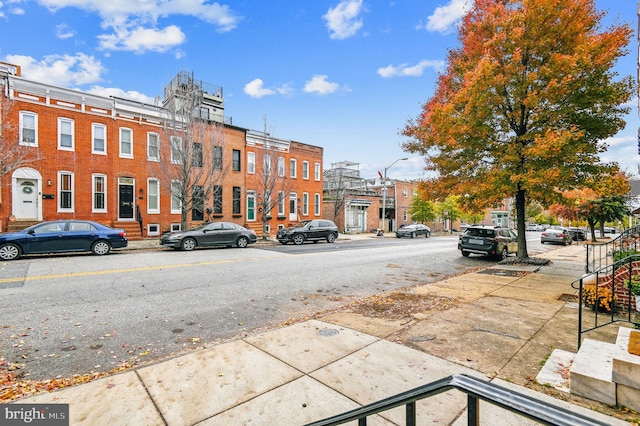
x=26 y=206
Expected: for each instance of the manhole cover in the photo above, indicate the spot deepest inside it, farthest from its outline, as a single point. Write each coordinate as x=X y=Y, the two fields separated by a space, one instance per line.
x=327 y=332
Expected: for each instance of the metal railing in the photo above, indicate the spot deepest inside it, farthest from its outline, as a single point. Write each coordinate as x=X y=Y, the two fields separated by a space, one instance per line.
x=602 y=299
x=600 y=256
x=476 y=390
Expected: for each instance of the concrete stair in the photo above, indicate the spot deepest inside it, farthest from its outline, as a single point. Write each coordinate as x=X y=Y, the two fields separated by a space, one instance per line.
x=604 y=372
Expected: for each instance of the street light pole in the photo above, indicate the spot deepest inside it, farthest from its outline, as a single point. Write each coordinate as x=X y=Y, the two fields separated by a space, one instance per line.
x=384 y=191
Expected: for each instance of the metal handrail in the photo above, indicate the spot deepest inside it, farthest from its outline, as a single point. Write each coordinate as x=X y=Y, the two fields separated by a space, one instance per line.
x=594 y=278
x=602 y=255
x=476 y=390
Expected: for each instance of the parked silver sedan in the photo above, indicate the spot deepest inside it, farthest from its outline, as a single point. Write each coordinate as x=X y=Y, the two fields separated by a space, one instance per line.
x=208 y=235
x=415 y=230
x=556 y=236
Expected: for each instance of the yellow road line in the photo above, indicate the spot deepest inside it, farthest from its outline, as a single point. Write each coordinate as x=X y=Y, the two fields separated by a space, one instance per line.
x=120 y=271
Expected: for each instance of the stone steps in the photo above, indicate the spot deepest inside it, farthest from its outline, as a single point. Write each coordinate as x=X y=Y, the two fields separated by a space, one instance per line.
x=604 y=372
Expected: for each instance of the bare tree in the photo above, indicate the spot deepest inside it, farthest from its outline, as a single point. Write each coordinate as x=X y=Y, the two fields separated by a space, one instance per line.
x=12 y=154
x=191 y=165
x=273 y=185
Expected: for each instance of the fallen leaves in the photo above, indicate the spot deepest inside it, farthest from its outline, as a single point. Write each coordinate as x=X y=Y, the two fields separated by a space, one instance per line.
x=399 y=305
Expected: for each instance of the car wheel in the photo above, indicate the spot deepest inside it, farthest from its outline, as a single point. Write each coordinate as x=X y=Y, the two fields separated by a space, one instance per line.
x=427 y=235
x=413 y=235
x=298 y=239
x=331 y=238
x=188 y=244
x=505 y=253
x=465 y=253
x=10 y=252
x=242 y=242
x=101 y=247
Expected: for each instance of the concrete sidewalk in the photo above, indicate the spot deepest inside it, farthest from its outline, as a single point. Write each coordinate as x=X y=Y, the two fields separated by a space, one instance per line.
x=503 y=320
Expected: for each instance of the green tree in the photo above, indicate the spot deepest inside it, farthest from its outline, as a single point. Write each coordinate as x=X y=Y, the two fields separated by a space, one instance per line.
x=422 y=210
x=449 y=209
x=525 y=104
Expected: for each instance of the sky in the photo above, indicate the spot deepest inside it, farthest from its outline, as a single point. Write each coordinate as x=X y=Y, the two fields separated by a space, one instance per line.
x=344 y=75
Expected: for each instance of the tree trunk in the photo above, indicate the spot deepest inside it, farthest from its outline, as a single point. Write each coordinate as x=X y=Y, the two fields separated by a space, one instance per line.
x=520 y=212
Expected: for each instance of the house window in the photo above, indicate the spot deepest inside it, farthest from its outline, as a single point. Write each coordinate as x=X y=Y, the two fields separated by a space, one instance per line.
x=153 y=196
x=305 y=170
x=153 y=147
x=196 y=158
x=251 y=206
x=217 y=199
x=236 y=160
x=28 y=128
x=267 y=164
x=236 y=200
x=316 y=204
x=99 y=193
x=99 y=138
x=316 y=171
x=280 y=166
x=305 y=203
x=405 y=192
x=281 y=198
x=293 y=165
x=176 y=195
x=65 y=134
x=204 y=113
x=65 y=191
x=217 y=157
x=176 y=149
x=405 y=216
x=126 y=143
x=197 y=203
x=251 y=162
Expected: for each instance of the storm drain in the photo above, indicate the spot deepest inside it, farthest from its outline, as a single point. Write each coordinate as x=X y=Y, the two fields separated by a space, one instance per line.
x=327 y=332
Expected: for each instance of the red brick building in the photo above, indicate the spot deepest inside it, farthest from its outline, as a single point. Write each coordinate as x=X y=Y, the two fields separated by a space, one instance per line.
x=108 y=159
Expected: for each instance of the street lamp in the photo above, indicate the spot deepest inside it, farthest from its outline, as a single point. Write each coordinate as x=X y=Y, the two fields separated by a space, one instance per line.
x=384 y=190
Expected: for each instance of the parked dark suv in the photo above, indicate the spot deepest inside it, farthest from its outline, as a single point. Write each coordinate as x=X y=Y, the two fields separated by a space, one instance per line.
x=488 y=241
x=309 y=230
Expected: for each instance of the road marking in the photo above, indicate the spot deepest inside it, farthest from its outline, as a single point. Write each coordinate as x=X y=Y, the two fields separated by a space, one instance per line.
x=120 y=271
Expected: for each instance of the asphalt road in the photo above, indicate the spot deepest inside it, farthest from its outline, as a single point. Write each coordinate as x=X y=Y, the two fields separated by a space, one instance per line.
x=75 y=314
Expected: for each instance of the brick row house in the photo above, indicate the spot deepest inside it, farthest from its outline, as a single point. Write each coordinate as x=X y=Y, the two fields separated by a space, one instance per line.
x=72 y=154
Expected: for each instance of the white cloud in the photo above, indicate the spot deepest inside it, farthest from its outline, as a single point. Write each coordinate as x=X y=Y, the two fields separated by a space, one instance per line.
x=255 y=89
x=140 y=40
x=60 y=70
x=445 y=17
x=342 y=20
x=119 y=93
x=133 y=23
x=63 y=32
x=319 y=84
x=405 y=70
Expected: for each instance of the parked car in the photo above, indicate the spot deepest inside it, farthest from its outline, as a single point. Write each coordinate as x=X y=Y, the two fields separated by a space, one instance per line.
x=415 y=230
x=309 y=230
x=208 y=235
x=556 y=236
x=576 y=234
x=62 y=236
x=488 y=241
x=535 y=227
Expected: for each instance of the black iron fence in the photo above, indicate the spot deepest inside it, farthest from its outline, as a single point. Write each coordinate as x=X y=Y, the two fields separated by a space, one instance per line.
x=602 y=255
x=476 y=390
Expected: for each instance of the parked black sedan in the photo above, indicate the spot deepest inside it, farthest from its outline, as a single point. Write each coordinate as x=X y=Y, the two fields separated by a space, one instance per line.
x=415 y=230
x=208 y=235
x=62 y=236
x=309 y=230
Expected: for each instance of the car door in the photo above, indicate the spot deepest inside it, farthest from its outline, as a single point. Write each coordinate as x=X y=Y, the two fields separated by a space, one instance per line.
x=228 y=234
x=210 y=234
x=513 y=241
x=46 y=238
x=79 y=236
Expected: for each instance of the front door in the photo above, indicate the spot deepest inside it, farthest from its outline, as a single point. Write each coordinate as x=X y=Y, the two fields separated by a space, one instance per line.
x=27 y=199
x=125 y=199
x=293 y=206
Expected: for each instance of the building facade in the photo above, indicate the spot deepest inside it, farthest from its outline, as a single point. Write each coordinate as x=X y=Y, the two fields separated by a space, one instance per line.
x=71 y=154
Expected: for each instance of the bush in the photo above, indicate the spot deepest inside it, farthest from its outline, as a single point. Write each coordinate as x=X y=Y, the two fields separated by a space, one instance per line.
x=623 y=254
x=634 y=285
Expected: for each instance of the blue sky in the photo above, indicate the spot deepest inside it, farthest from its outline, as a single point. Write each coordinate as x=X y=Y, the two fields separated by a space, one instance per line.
x=345 y=75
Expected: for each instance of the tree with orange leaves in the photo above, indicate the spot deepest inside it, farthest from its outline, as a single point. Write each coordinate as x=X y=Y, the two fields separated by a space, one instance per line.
x=525 y=104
